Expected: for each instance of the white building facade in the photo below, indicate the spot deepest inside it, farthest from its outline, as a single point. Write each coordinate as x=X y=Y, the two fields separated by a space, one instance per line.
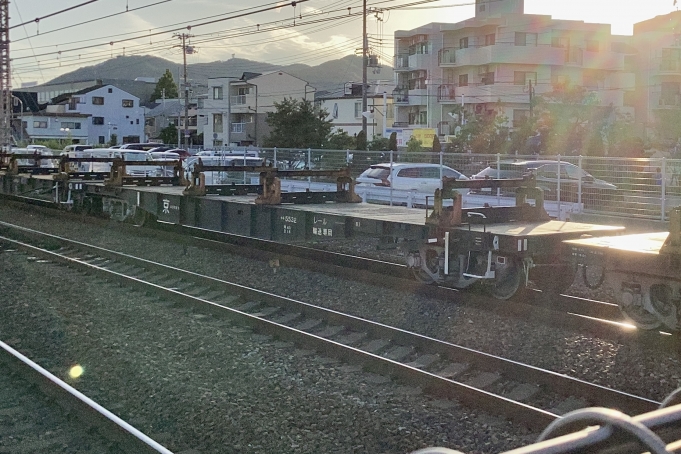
x=234 y=110
x=345 y=109
x=111 y=111
x=493 y=63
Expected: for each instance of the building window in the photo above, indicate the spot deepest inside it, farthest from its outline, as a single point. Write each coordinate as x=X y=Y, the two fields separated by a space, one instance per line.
x=560 y=82
x=97 y=120
x=217 y=123
x=423 y=118
x=520 y=39
x=463 y=43
x=243 y=91
x=524 y=77
x=128 y=103
x=217 y=143
x=562 y=43
x=490 y=39
x=137 y=121
x=40 y=124
x=592 y=46
x=463 y=80
x=70 y=124
x=358 y=110
x=101 y=140
x=217 y=92
x=488 y=78
x=520 y=116
x=98 y=100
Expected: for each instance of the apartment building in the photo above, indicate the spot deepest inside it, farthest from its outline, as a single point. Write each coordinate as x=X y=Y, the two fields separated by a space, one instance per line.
x=657 y=65
x=235 y=110
x=495 y=61
x=345 y=108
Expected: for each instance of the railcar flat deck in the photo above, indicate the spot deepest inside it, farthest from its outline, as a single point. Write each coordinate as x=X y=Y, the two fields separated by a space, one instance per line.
x=641 y=243
x=403 y=215
x=524 y=229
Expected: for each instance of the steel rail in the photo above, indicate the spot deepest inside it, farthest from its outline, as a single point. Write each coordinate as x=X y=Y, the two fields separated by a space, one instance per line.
x=533 y=417
x=90 y=413
x=565 y=311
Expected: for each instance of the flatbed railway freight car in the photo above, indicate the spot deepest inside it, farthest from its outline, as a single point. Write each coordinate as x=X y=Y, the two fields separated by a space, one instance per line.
x=643 y=270
x=501 y=248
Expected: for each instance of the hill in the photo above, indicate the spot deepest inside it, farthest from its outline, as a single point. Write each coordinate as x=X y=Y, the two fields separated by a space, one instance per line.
x=328 y=76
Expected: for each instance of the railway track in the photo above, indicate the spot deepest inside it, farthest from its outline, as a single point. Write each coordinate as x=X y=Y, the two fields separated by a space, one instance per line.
x=565 y=311
x=526 y=394
x=36 y=410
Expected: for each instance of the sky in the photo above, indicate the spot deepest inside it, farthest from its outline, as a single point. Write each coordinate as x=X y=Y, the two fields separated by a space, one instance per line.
x=312 y=32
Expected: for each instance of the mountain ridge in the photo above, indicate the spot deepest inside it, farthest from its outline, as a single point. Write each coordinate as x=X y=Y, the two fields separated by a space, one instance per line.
x=328 y=76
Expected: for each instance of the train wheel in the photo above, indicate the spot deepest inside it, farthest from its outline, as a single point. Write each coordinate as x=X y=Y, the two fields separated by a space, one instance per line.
x=633 y=309
x=593 y=275
x=659 y=301
x=509 y=280
x=423 y=277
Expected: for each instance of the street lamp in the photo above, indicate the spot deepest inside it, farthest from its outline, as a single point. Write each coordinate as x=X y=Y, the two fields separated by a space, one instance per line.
x=68 y=133
x=111 y=126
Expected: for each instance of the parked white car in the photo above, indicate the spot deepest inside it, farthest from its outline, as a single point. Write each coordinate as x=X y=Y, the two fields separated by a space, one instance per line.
x=421 y=177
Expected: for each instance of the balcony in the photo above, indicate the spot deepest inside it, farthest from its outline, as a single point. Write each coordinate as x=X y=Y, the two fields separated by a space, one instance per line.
x=446 y=56
x=446 y=93
x=509 y=53
x=402 y=63
x=401 y=95
x=238 y=100
x=670 y=67
x=611 y=61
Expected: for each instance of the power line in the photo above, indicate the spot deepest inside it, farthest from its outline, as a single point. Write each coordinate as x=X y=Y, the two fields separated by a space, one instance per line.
x=38 y=19
x=91 y=20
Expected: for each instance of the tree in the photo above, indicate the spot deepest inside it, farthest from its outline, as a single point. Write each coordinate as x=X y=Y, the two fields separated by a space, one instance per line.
x=378 y=144
x=166 y=83
x=296 y=124
x=392 y=142
x=168 y=134
x=361 y=140
x=571 y=122
x=113 y=140
x=413 y=145
x=340 y=140
x=437 y=148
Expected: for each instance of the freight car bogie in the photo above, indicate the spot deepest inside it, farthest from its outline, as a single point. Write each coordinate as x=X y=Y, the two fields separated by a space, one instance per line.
x=647 y=302
x=504 y=276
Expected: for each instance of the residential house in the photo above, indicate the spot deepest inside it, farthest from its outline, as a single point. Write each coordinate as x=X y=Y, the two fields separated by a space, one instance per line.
x=344 y=108
x=50 y=123
x=234 y=110
x=112 y=111
x=496 y=61
x=171 y=112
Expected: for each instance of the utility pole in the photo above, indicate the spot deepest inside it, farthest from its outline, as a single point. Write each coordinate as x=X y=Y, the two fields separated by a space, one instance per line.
x=530 y=90
x=364 y=66
x=5 y=79
x=184 y=37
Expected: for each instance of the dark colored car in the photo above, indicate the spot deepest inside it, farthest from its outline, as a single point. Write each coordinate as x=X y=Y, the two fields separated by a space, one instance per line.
x=594 y=191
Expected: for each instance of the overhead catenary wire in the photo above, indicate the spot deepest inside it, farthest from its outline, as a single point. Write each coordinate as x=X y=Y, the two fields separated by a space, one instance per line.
x=38 y=19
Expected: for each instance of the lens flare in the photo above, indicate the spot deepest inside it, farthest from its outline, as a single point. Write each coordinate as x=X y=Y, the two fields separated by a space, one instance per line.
x=76 y=371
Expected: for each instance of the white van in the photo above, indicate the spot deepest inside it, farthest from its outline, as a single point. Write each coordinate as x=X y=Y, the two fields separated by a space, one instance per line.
x=69 y=148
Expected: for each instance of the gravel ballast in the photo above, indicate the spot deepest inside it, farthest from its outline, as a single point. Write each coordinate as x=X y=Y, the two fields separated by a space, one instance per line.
x=625 y=366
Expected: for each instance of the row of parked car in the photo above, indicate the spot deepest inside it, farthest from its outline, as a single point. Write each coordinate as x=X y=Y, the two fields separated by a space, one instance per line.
x=426 y=178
